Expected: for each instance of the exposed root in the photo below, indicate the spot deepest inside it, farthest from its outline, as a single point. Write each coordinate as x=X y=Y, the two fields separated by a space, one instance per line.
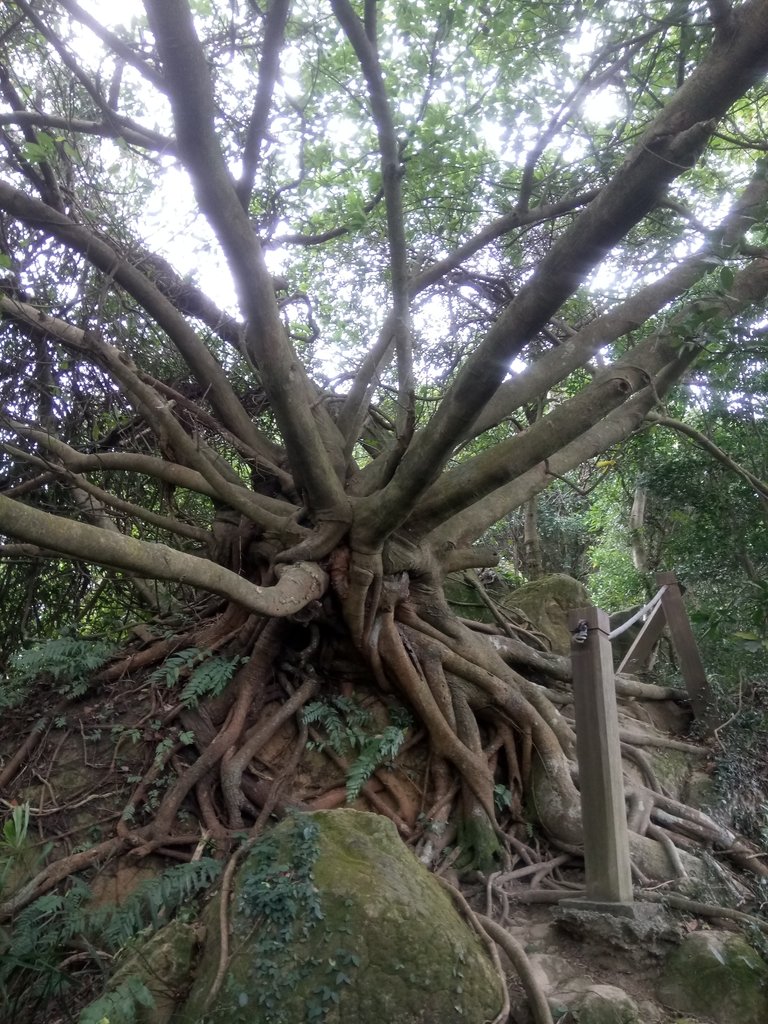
x=473 y=768
x=517 y=955
x=27 y=748
x=673 y=899
x=56 y=872
x=255 y=739
x=674 y=857
x=534 y=637
x=361 y=594
x=479 y=926
x=248 y=679
x=480 y=722
x=641 y=739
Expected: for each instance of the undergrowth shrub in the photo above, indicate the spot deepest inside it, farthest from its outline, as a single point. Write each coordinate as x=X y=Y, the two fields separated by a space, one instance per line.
x=46 y=932
x=741 y=768
x=66 y=662
x=19 y=855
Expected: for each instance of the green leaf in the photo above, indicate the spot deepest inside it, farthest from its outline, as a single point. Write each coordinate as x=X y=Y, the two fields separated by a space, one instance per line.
x=726 y=278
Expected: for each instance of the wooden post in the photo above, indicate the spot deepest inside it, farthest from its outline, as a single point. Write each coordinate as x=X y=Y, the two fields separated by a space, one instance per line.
x=691 y=666
x=606 y=842
x=638 y=655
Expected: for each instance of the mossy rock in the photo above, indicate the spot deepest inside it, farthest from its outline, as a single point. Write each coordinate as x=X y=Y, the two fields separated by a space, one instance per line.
x=673 y=768
x=718 y=975
x=335 y=921
x=547 y=602
x=152 y=977
x=604 y=1004
x=467 y=603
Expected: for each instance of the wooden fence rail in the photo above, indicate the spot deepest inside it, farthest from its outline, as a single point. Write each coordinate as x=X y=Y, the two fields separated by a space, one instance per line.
x=598 y=747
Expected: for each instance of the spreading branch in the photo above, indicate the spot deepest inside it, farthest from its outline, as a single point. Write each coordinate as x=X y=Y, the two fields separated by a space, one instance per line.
x=310 y=437
x=299 y=584
x=668 y=148
x=364 y=45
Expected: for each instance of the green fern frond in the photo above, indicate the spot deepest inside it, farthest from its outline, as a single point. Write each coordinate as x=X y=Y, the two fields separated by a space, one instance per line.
x=120 y=1005
x=68 y=661
x=208 y=679
x=376 y=751
x=170 y=671
x=44 y=930
x=349 y=729
x=156 y=900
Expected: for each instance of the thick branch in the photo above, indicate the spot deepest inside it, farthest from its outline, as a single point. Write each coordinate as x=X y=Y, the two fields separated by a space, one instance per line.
x=667 y=149
x=156 y=412
x=721 y=14
x=115 y=44
x=130 y=462
x=355 y=407
x=473 y=521
x=168 y=523
x=115 y=128
x=555 y=365
x=94 y=511
x=473 y=480
x=305 y=424
x=269 y=65
x=749 y=286
x=101 y=254
x=391 y=174
x=299 y=583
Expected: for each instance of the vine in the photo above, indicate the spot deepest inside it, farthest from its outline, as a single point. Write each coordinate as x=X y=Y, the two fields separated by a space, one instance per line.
x=279 y=901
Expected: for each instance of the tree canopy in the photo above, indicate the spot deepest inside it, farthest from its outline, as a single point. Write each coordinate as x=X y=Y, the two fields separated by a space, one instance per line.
x=464 y=212
x=300 y=300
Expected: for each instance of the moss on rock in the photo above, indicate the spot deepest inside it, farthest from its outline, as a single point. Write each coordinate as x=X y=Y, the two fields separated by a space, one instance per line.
x=717 y=975
x=544 y=602
x=547 y=602
x=605 y=1004
x=368 y=935
x=153 y=975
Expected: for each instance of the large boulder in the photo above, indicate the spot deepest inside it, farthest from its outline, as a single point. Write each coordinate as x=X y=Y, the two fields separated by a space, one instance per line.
x=334 y=920
x=716 y=974
x=605 y=1004
x=547 y=602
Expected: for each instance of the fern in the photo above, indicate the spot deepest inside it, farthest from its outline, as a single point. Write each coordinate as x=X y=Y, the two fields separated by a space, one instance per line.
x=351 y=729
x=170 y=671
x=376 y=751
x=120 y=1005
x=67 y=661
x=208 y=679
x=156 y=900
x=45 y=929
x=344 y=721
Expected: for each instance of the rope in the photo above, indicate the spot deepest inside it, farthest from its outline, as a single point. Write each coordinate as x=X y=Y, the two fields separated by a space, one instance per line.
x=645 y=610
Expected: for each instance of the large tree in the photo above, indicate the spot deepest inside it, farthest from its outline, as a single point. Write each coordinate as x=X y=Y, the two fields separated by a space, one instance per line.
x=472 y=247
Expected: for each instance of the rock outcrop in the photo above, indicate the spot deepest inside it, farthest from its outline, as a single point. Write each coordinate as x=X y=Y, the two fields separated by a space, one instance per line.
x=334 y=920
